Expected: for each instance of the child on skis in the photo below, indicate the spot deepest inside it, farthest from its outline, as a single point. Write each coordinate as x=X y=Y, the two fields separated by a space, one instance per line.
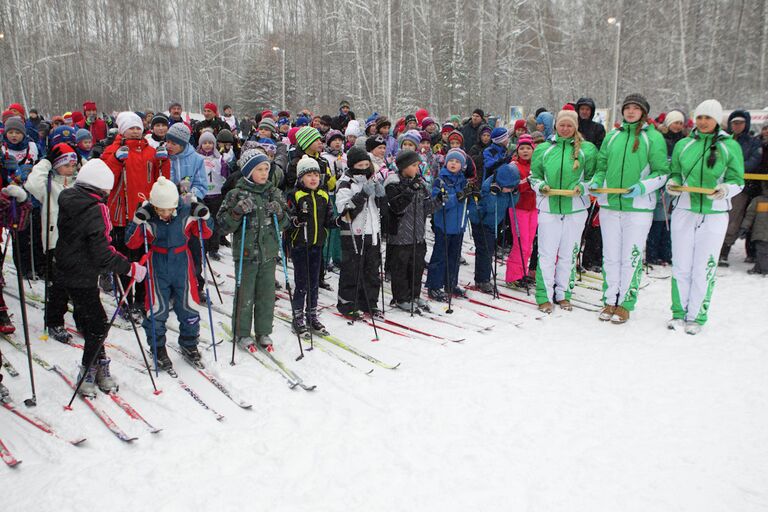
x=497 y=195
x=83 y=252
x=357 y=194
x=15 y=207
x=218 y=171
x=449 y=223
x=523 y=217
x=311 y=215
x=410 y=203
x=249 y=212
x=337 y=162
x=168 y=227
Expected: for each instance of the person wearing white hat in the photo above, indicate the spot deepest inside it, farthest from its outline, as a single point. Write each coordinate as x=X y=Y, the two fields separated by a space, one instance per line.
x=169 y=226
x=708 y=158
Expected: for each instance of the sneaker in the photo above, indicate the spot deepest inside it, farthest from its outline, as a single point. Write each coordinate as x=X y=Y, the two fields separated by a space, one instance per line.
x=88 y=387
x=676 y=324
x=104 y=378
x=325 y=286
x=215 y=256
x=606 y=313
x=191 y=353
x=60 y=334
x=423 y=304
x=163 y=361
x=546 y=307
x=437 y=294
x=265 y=342
x=485 y=287
x=692 y=328
x=565 y=305
x=246 y=342
x=6 y=327
x=460 y=292
x=106 y=284
x=620 y=315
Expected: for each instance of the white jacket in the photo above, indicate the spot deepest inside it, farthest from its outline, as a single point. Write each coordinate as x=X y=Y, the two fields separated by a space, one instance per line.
x=37 y=185
x=366 y=221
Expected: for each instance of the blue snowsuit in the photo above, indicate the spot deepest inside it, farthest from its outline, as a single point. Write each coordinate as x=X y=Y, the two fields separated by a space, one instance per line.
x=172 y=273
x=448 y=224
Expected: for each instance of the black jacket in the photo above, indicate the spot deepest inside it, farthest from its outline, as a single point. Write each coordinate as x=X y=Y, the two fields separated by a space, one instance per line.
x=290 y=173
x=408 y=209
x=85 y=249
x=590 y=130
x=318 y=216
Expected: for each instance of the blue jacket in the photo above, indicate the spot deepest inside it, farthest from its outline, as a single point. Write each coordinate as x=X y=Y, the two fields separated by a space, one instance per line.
x=190 y=164
x=451 y=215
x=750 y=146
x=490 y=209
x=493 y=157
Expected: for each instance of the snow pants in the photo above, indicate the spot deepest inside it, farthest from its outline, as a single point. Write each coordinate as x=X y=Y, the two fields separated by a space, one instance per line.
x=92 y=319
x=360 y=261
x=624 y=236
x=255 y=301
x=439 y=269
x=306 y=267
x=485 y=246
x=559 y=239
x=696 y=242
x=527 y=220
x=404 y=268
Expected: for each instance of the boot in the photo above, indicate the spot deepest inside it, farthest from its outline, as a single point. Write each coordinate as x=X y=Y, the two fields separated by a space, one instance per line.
x=246 y=343
x=423 y=305
x=136 y=312
x=461 y=292
x=620 y=315
x=265 y=342
x=191 y=354
x=565 y=304
x=315 y=324
x=723 y=262
x=546 y=307
x=163 y=361
x=692 y=328
x=106 y=284
x=215 y=256
x=485 y=287
x=606 y=313
x=437 y=294
x=104 y=378
x=88 y=387
x=6 y=327
x=406 y=306
x=298 y=324
x=60 y=334
x=3 y=391
x=676 y=324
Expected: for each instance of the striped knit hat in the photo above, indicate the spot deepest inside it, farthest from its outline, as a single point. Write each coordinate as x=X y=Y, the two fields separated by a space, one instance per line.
x=306 y=136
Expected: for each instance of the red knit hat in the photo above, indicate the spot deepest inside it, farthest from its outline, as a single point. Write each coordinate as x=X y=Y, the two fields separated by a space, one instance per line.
x=67 y=156
x=520 y=123
x=267 y=113
x=6 y=114
x=292 y=134
x=447 y=128
x=89 y=105
x=421 y=114
x=77 y=116
x=568 y=106
x=211 y=106
x=17 y=107
x=525 y=139
x=455 y=134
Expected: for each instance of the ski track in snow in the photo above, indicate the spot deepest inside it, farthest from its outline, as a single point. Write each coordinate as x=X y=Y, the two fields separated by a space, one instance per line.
x=562 y=414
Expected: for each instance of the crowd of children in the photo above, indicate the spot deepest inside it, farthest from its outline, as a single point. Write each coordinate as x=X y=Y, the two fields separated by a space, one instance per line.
x=144 y=194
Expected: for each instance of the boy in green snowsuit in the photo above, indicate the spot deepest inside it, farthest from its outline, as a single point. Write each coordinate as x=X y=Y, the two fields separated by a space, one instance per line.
x=252 y=206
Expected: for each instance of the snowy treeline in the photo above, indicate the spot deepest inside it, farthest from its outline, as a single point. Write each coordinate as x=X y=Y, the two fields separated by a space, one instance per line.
x=384 y=55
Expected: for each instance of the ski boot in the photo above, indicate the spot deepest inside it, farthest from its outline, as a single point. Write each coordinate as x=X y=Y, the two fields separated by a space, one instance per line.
x=60 y=334
x=136 y=312
x=315 y=324
x=106 y=284
x=246 y=343
x=104 y=378
x=565 y=305
x=192 y=355
x=461 y=293
x=423 y=305
x=88 y=387
x=352 y=316
x=376 y=314
x=406 y=306
x=163 y=361
x=265 y=342
x=437 y=294
x=3 y=390
x=723 y=261
x=299 y=326
x=215 y=256
x=6 y=327
x=325 y=286
x=485 y=287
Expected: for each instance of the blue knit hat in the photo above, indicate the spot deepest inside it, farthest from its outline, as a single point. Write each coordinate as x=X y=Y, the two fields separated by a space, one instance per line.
x=412 y=136
x=179 y=133
x=249 y=160
x=457 y=154
x=63 y=134
x=82 y=134
x=507 y=176
x=499 y=134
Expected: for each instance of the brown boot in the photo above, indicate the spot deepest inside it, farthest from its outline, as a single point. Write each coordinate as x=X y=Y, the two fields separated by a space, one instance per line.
x=565 y=304
x=620 y=315
x=546 y=307
x=606 y=313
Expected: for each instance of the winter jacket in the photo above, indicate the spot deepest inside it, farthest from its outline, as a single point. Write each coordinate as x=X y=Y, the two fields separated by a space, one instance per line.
x=261 y=239
x=352 y=203
x=319 y=216
x=548 y=120
x=756 y=218
x=336 y=163
x=476 y=153
x=493 y=156
x=84 y=249
x=216 y=170
x=153 y=141
x=215 y=124
x=689 y=167
x=527 y=197
x=752 y=149
x=552 y=165
x=188 y=164
x=327 y=179
x=134 y=177
x=98 y=128
x=408 y=209
x=37 y=185
x=592 y=131
x=450 y=218
x=671 y=139
x=491 y=209
x=619 y=167
x=26 y=155
x=392 y=147
x=471 y=134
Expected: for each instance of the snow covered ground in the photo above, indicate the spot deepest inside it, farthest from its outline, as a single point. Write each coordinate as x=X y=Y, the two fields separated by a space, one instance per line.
x=558 y=414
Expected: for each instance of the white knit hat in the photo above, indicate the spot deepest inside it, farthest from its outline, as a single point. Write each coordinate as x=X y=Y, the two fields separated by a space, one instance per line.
x=97 y=174
x=674 y=116
x=127 y=120
x=711 y=108
x=568 y=115
x=164 y=194
x=306 y=164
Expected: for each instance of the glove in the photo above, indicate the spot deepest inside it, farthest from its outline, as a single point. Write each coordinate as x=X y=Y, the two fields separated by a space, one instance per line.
x=743 y=232
x=379 y=189
x=53 y=154
x=668 y=188
x=10 y=164
x=185 y=186
x=142 y=213
x=635 y=191
x=198 y=211
x=16 y=192
x=274 y=207
x=121 y=153
x=161 y=153
x=441 y=197
x=138 y=272
x=495 y=189
x=416 y=184
x=721 y=190
x=369 y=188
x=460 y=196
x=243 y=207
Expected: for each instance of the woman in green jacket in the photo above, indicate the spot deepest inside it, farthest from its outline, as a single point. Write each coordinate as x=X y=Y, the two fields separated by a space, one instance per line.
x=563 y=163
x=710 y=159
x=633 y=157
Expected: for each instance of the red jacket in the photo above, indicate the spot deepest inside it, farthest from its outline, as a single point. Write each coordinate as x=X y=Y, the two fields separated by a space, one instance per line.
x=527 y=195
x=141 y=171
x=98 y=129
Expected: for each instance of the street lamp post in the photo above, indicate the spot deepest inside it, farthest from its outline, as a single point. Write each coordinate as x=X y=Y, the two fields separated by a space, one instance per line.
x=614 y=21
x=282 y=51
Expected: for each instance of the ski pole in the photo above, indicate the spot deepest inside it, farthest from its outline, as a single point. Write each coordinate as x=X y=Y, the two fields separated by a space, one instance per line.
x=48 y=258
x=204 y=258
x=138 y=339
x=309 y=288
x=520 y=247
x=412 y=287
x=236 y=316
x=151 y=297
x=29 y=402
x=213 y=278
x=101 y=344
x=285 y=274
x=447 y=268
